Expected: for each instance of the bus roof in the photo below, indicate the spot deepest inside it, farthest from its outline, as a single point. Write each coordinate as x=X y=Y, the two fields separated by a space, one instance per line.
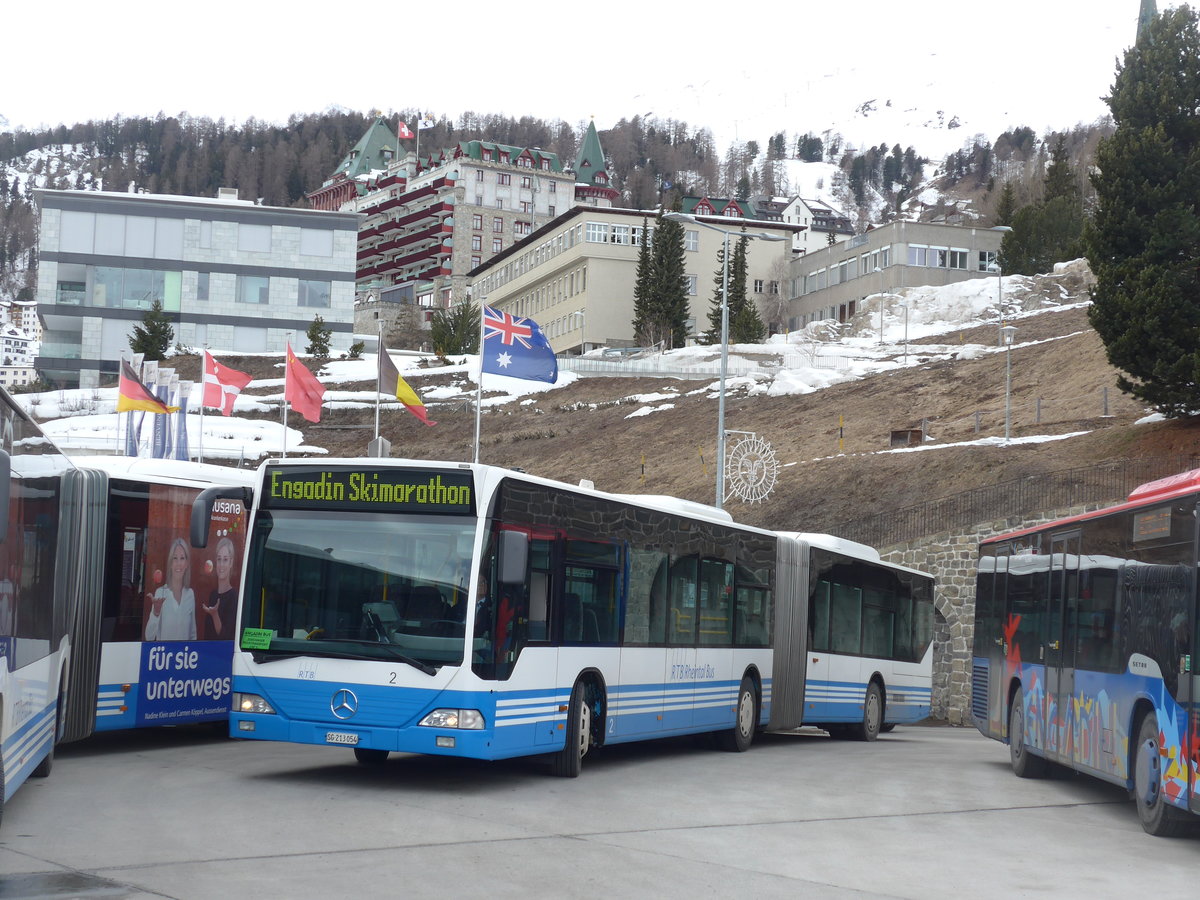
x=175 y=471
x=1146 y=494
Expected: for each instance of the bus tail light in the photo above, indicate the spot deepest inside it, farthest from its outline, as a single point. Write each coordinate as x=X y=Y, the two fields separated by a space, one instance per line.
x=454 y=718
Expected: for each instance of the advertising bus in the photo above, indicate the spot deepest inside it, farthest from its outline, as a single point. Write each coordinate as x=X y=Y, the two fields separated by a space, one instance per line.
x=469 y=610
x=1085 y=636
x=155 y=642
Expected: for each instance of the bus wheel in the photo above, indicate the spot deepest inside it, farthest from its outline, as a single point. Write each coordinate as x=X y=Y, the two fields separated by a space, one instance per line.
x=1024 y=763
x=738 y=738
x=568 y=761
x=872 y=718
x=1158 y=816
x=369 y=757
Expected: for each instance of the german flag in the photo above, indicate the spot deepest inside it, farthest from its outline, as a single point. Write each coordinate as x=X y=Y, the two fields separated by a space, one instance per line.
x=393 y=385
x=133 y=395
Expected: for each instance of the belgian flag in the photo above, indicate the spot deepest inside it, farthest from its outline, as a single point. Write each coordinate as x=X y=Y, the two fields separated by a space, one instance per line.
x=393 y=385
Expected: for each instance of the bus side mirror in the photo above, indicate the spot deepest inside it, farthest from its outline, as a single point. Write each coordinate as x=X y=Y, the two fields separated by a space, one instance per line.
x=202 y=508
x=5 y=492
x=514 y=557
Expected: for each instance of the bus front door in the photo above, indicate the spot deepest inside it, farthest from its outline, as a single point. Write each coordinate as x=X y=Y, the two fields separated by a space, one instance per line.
x=1061 y=613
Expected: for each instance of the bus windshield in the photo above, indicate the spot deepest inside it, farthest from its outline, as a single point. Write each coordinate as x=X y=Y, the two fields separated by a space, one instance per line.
x=359 y=585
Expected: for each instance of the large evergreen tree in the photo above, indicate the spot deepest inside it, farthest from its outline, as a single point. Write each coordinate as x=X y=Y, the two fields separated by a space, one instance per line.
x=153 y=337
x=668 y=281
x=643 y=312
x=1144 y=241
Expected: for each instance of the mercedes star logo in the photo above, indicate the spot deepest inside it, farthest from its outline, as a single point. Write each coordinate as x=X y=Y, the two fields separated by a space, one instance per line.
x=343 y=704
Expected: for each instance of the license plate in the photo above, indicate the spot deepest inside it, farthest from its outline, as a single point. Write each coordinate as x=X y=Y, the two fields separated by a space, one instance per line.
x=340 y=737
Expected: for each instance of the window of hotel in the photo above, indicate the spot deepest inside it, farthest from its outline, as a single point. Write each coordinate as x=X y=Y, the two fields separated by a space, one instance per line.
x=479 y=174
x=477 y=221
x=545 y=164
x=503 y=178
x=597 y=233
x=958 y=259
x=479 y=199
x=254 y=238
x=476 y=242
x=758 y=285
x=314 y=293
x=76 y=232
x=691 y=284
x=476 y=261
x=691 y=240
x=938 y=257
x=497 y=224
x=202 y=286
x=253 y=289
x=526 y=181
x=526 y=206
x=487 y=155
x=773 y=287
x=499 y=204
x=551 y=209
x=732 y=212
x=987 y=259
x=917 y=255
x=619 y=234
x=497 y=244
x=553 y=189
x=316 y=242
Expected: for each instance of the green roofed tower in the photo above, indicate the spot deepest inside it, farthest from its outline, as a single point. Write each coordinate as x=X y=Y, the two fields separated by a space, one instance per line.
x=593 y=185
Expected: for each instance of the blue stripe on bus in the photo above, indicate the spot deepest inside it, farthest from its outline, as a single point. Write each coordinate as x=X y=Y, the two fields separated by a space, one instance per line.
x=116 y=707
x=842 y=701
x=26 y=746
x=520 y=722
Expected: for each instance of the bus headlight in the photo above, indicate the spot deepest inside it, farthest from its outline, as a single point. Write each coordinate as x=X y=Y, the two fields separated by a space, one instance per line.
x=454 y=718
x=252 y=703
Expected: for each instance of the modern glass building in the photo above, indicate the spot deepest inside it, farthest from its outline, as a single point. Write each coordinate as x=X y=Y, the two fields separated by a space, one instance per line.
x=230 y=274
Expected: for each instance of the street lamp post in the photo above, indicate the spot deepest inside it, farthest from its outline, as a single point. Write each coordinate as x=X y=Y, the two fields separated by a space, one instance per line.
x=1007 y=333
x=995 y=267
x=881 y=296
x=582 y=330
x=904 y=303
x=762 y=236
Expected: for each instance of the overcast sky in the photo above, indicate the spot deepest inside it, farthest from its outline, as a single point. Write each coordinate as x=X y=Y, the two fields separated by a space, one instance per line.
x=785 y=66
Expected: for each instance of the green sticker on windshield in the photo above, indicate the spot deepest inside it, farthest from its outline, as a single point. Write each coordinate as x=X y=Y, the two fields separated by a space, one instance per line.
x=256 y=638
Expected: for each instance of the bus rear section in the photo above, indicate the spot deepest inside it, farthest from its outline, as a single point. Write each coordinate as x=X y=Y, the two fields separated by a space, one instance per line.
x=473 y=611
x=869 y=639
x=1085 y=635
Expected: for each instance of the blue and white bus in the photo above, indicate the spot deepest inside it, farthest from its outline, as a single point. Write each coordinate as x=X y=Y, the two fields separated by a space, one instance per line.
x=154 y=636
x=1085 y=636
x=458 y=609
x=45 y=502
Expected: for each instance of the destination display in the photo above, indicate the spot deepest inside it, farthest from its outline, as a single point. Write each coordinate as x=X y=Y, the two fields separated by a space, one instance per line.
x=370 y=490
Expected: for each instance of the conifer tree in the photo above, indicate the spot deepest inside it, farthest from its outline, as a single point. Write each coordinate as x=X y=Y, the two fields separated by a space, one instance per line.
x=455 y=330
x=1051 y=231
x=1144 y=241
x=713 y=334
x=668 y=280
x=319 y=335
x=643 y=317
x=154 y=336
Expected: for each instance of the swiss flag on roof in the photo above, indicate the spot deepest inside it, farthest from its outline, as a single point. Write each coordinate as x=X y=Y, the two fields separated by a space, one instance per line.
x=403 y=132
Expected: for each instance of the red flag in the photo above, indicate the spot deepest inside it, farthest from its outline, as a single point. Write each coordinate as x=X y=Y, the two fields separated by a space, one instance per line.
x=301 y=388
x=403 y=132
x=133 y=395
x=222 y=385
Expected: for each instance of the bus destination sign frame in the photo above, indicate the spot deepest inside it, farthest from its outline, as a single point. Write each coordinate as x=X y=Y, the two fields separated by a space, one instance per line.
x=369 y=489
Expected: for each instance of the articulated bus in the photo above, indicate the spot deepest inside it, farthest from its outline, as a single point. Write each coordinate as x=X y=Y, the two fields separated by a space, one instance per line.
x=1085 y=636
x=475 y=611
x=154 y=641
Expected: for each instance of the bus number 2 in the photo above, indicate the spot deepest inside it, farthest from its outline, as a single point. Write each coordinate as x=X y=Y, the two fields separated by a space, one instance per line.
x=391 y=677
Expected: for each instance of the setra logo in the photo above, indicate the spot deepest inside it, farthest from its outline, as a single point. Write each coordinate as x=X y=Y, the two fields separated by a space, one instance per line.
x=344 y=703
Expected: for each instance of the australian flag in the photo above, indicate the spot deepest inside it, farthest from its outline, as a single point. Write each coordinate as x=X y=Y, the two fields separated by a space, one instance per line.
x=516 y=347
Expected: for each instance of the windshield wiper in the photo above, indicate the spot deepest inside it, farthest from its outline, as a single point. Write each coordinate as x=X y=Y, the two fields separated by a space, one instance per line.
x=261 y=656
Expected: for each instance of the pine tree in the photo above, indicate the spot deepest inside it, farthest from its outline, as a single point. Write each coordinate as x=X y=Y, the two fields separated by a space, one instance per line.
x=1051 y=231
x=713 y=334
x=668 y=281
x=643 y=319
x=1143 y=243
x=153 y=338
x=319 y=336
x=1006 y=206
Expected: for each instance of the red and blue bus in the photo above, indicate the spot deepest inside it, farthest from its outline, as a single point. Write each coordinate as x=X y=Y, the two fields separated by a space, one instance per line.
x=1085 y=636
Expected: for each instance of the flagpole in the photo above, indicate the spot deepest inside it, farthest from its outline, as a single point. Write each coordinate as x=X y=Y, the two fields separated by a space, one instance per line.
x=479 y=382
x=287 y=360
x=378 y=377
x=203 y=388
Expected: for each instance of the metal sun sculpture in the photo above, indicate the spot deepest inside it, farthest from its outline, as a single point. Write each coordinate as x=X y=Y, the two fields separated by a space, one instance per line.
x=751 y=469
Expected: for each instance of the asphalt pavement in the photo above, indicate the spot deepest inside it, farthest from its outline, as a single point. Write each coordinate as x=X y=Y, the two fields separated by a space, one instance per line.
x=924 y=812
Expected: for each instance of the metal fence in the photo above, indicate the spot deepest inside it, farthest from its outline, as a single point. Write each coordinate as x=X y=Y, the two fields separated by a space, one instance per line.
x=1101 y=484
x=701 y=370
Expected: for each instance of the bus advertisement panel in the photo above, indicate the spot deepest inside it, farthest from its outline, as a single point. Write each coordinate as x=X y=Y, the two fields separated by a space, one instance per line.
x=169 y=609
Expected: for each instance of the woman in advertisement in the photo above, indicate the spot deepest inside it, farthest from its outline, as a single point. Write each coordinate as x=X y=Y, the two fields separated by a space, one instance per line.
x=222 y=602
x=173 y=605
